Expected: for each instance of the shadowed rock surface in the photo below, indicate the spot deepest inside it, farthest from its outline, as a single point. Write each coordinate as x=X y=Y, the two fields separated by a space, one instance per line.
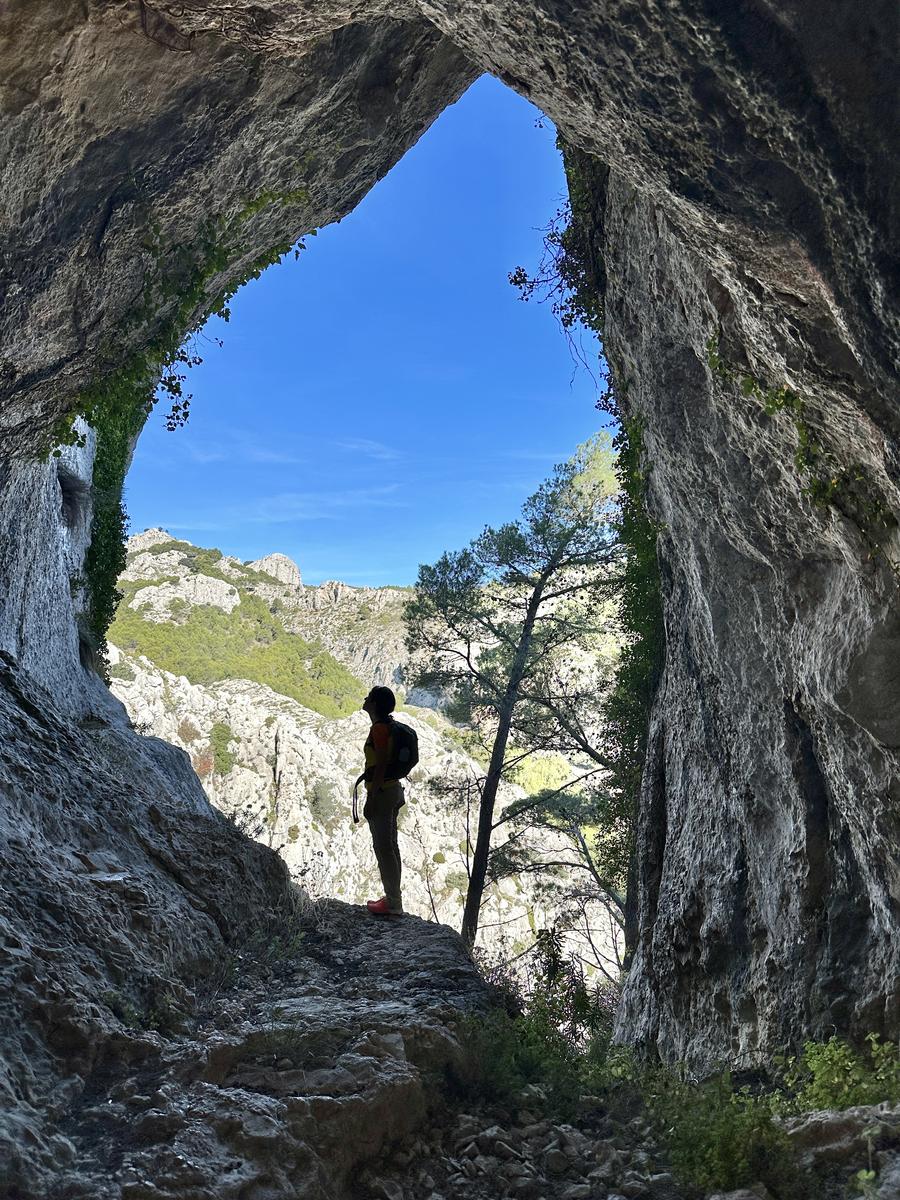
x=160 y=977
x=745 y=214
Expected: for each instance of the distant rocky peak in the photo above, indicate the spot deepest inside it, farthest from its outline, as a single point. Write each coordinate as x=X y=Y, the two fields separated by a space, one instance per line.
x=280 y=567
x=150 y=537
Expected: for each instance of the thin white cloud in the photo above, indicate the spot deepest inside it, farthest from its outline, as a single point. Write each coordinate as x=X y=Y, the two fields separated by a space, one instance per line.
x=239 y=446
x=208 y=454
x=259 y=454
x=370 y=449
x=308 y=506
x=287 y=507
x=196 y=526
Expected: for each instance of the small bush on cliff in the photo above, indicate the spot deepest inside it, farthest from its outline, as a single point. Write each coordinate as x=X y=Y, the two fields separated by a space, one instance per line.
x=220 y=738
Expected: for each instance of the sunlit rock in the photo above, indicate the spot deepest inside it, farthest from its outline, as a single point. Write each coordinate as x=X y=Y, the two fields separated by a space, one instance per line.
x=280 y=567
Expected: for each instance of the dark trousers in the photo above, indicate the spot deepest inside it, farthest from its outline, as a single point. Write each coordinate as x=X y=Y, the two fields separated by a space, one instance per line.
x=380 y=811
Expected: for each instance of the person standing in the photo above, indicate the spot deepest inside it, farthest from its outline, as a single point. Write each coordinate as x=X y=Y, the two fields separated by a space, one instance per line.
x=384 y=799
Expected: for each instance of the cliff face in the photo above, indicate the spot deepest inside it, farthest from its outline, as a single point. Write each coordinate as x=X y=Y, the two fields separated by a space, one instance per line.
x=768 y=864
x=748 y=223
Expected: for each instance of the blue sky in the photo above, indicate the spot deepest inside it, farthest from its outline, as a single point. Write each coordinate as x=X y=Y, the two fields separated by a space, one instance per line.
x=386 y=396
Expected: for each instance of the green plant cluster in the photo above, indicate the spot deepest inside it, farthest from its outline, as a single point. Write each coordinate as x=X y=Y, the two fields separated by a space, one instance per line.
x=833 y=1074
x=247 y=643
x=642 y=653
x=715 y=1135
x=220 y=738
x=204 y=561
x=117 y=410
x=719 y=1138
x=123 y=671
x=117 y=403
x=848 y=489
x=162 y=1011
x=541 y=773
x=560 y=1039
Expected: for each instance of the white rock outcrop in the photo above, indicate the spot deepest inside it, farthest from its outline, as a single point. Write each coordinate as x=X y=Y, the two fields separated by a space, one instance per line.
x=149 y=537
x=280 y=567
x=164 y=601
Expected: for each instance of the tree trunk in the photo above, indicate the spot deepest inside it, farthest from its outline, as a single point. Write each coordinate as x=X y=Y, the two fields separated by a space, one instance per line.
x=478 y=873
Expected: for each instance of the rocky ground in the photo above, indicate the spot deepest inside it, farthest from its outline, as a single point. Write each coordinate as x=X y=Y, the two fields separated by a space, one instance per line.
x=310 y=1051
x=611 y=1151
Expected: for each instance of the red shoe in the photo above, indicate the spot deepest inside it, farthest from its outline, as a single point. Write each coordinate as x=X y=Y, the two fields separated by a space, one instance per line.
x=381 y=908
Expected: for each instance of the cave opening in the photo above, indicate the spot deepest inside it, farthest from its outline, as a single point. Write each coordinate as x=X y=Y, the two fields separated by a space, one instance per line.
x=739 y=183
x=388 y=370
x=371 y=402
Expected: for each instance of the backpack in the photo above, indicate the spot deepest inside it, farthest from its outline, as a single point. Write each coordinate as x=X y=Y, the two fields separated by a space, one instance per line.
x=406 y=755
x=406 y=751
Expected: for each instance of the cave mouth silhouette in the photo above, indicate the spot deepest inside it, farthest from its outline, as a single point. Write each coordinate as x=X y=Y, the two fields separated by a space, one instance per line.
x=389 y=371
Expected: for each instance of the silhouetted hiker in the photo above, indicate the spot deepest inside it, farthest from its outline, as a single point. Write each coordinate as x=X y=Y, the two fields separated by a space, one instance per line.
x=391 y=751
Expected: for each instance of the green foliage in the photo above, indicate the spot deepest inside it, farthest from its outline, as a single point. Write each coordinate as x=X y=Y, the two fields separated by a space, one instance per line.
x=176 y=302
x=478 y=597
x=637 y=672
x=541 y=772
x=570 y=276
x=117 y=410
x=719 y=1139
x=123 y=671
x=204 y=561
x=220 y=738
x=247 y=643
x=561 y=1040
x=469 y=741
x=162 y=1011
x=866 y=1181
x=493 y=626
x=833 y=1074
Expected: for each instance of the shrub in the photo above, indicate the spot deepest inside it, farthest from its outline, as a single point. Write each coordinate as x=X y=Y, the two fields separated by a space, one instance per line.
x=188 y=731
x=121 y=670
x=220 y=737
x=719 y=1139
x=560 y=1039
x=541 y=772
x=833 y=1075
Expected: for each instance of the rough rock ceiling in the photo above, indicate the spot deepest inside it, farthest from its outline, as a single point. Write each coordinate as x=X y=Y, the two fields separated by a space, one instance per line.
x=759 y=129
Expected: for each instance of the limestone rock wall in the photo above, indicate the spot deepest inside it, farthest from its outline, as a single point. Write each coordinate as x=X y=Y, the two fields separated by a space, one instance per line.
x=45 y=522
x=768 y=846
